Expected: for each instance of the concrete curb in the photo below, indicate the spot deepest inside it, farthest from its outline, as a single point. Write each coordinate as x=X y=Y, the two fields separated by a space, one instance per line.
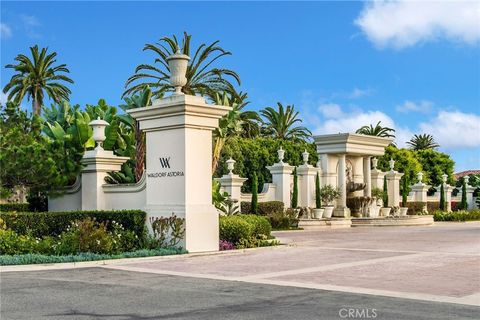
x=99 y=263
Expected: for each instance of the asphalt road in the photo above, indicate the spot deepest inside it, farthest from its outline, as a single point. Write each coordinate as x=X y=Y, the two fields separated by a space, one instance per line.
x=97 y=293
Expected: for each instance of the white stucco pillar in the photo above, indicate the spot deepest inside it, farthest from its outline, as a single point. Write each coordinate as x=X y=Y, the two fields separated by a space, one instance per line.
x=232 y=183
x=420 y=190
x=282 y=178
x=179 y=165
x=470 y=191
x=98 y=163
x=341 y=210
x=367 y=177
x=306 y=174
x=342 y=181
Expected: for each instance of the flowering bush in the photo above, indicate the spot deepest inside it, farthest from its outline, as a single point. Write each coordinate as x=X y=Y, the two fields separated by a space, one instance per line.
x=226 y=245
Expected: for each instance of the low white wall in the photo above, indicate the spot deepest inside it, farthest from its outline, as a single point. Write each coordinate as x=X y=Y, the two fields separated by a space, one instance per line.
x=71 y=200
x=267 y=194
x=125 y=196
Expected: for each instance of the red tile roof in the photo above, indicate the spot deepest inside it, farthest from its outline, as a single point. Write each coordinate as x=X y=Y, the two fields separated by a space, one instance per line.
x=458 y=175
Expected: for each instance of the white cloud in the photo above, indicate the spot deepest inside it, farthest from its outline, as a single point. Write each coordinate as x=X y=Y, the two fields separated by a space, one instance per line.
x=358 y=93
x=423 y=106
x=340 y=121
x=454 y=129
x=5 y=31
x=31 y=25
x=330 y=110
x=404 y=23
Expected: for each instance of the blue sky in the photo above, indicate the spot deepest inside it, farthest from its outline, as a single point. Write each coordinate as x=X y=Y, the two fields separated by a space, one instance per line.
x=413 y=66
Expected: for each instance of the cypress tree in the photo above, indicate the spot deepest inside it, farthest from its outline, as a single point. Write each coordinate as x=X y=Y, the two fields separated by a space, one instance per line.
x=318 y=200
x=385 y=192
x=443 y=206
x=463 y=204
x=254 y=204
x=295 y=190
x=404 y=191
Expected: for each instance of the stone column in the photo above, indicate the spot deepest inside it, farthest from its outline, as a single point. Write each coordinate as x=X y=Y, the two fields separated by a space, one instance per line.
x=393 y=186
x=307 y=175
x=376 y=175
x=179 y=165
x=341 y=210
x=420 y=190
x=470 y=191
x=282 y=177
x=367 y=177
x=97 y=163
x=232 y=183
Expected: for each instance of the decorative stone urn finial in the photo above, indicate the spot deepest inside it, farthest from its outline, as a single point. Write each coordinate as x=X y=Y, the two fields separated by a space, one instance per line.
x=466 y=179
x=374 y=163
x=178 y=64
x=230 y=165
x=444 y=177
x=305 y=155
x=392 y=164
x=420 y=177
x=281 y=154
x=98 y=127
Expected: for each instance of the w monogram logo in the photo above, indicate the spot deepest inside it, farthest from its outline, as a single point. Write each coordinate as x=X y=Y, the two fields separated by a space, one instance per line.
x=165 y=162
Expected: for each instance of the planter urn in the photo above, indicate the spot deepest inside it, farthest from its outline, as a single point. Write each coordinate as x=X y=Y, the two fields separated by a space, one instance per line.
x=318 y=213
x=178 y=64
x=328 y=211
x=385 y=212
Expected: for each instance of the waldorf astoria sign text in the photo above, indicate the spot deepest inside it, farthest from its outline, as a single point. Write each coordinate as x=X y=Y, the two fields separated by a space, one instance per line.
x=165 y=164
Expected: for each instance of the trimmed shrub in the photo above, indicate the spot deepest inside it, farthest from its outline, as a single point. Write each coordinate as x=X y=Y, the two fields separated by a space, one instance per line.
x=40 y=224
x=264 y=208
x=457 y=216
x=261 y=226
x=234 y=228
x=415 y=208
x=241 y=229
x=283 y=220
x=6 y=207
x=433 y=206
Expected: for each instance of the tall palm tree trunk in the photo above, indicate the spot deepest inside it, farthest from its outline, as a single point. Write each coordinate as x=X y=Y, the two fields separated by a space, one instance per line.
x=217 y=150
x=139 y=153
x=36 y=106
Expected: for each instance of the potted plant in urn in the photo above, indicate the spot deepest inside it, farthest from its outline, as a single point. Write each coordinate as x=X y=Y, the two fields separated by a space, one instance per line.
x=318 y=211
x=377 y=195
x=328 y=194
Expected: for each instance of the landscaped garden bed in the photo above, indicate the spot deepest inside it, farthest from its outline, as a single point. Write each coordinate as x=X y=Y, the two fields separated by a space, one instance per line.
x=52 y=237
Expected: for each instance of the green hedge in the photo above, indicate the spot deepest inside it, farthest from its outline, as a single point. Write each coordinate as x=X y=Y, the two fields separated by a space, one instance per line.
x=40 y=224
x=6 y=260
x=236 y=228
x=6 y=207
x=457 y=215
x=264 y=208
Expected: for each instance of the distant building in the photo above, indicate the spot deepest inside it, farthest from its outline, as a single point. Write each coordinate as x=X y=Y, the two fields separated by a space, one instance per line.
x=459 y=175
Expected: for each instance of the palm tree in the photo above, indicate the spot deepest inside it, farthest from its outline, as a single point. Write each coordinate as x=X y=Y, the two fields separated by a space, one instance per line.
x=378 y=131
x=33 y=78
x=141 y=100
x=280 y=124
x=422 y=142
x=201 y=77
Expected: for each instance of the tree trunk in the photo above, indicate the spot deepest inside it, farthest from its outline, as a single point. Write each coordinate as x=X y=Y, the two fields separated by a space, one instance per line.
x=139 y=152
x=217 y=150
x=36 y=106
